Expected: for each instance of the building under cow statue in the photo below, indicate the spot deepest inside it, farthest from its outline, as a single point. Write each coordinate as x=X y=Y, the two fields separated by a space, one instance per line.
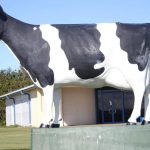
x=90 y=55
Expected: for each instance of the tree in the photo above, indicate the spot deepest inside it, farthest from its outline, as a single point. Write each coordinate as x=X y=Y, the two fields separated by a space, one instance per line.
x=11 y=80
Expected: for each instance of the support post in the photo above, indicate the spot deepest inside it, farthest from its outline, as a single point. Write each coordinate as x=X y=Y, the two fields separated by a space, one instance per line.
x=29 y=105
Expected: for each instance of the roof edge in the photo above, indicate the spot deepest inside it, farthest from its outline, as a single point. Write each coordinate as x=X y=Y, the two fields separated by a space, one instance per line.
x=19 y=90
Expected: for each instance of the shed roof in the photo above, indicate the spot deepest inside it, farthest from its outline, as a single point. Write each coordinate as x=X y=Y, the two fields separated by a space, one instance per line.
x=33 y=86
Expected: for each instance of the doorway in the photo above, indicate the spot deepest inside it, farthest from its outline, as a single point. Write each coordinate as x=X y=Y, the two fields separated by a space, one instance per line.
x=113 y=105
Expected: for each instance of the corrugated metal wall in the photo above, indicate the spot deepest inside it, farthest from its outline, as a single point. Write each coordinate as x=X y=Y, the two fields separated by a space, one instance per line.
x=17 y=111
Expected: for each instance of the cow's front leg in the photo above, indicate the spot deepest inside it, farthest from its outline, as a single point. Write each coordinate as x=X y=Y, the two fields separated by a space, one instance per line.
x=58 y=112
x=138 y=96
x=48 y=101
x=147 y=107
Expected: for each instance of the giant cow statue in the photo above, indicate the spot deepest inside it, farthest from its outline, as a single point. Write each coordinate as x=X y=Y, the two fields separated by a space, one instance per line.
x=90 y=55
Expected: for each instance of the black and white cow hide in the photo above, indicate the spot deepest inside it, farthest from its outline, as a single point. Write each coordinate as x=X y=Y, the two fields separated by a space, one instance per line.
x=90 y=55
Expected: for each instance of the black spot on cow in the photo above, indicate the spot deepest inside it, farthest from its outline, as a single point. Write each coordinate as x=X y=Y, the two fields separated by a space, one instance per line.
x=3 y=15
x=81 y=44
x=135 y=40
x=29 y=47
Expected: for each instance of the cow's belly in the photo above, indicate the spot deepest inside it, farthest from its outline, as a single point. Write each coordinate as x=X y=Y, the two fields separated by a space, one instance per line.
x=115 y=78
x=112 y=77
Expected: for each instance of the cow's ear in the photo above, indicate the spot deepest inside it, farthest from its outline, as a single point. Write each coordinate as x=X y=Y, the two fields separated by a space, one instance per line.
x=3 y=15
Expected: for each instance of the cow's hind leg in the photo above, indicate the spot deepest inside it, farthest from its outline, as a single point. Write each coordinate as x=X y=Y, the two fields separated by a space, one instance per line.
x=147 y=107
x=57 y=104
x=48 y=101
x=138 y=96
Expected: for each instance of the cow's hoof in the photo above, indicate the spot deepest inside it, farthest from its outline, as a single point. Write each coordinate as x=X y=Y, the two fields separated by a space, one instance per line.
x=44 y=125
x=138 y=119
x=131 y=123
x=144 y=122
x=55 y=125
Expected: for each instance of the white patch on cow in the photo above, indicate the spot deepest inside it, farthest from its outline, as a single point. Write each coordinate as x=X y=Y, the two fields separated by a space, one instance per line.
x=115 y=57
x=58 y=59
x=99 y=65
x=48 y=102
x=35 y=28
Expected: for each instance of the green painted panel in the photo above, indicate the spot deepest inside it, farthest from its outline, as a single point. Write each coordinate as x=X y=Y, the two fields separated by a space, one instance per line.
x=92 y=138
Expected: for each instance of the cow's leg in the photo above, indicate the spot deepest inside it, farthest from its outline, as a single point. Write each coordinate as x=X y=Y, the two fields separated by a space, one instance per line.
x=48 y=100
x=147 y=107
x=138 y=96
x=57 y=105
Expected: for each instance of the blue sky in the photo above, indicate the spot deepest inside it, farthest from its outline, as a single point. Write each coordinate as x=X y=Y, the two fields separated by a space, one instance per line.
x=71 y=11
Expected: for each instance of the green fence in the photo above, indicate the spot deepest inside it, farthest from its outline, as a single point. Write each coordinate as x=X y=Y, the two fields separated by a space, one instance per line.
x=92 y=138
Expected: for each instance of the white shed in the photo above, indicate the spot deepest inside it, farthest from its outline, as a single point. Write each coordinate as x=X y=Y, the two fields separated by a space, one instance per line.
x=18 y=107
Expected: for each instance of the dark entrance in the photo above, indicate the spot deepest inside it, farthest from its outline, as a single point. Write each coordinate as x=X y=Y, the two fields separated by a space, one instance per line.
x=113 y=105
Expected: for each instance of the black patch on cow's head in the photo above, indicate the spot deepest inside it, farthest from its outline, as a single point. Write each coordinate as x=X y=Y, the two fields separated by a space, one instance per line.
x=135 y=40
x=81 y=44
x=31 y=49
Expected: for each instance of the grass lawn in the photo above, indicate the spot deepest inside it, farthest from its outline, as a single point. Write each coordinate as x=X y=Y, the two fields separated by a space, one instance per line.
x=15 y=138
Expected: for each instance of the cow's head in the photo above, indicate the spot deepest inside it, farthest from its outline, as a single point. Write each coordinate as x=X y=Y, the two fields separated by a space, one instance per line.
x=3 y=18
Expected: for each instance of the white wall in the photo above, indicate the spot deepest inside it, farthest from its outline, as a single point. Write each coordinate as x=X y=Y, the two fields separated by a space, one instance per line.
x=78 y=106
x=21 y=113
x=9 y=112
